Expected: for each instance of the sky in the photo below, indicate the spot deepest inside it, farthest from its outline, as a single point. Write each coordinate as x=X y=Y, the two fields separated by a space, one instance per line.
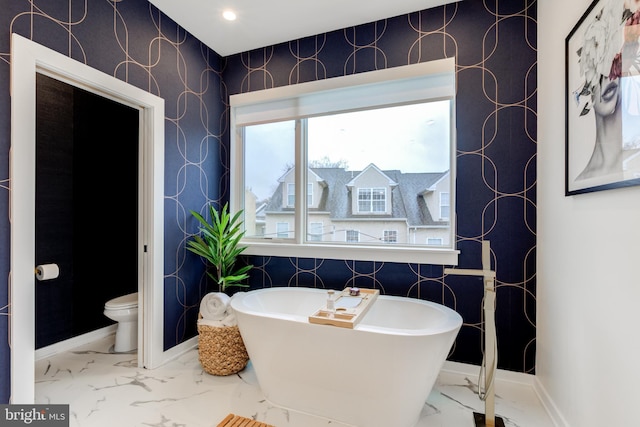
x=410 y=138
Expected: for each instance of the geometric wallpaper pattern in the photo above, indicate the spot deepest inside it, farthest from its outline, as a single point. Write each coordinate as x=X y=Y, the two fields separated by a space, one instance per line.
x=494 y=44
x=494 y=47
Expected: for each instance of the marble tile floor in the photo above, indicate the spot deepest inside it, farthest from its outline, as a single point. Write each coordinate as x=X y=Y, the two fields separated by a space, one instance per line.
x=107 y=389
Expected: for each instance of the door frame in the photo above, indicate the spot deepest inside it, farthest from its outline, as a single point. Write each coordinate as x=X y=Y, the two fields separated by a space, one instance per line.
x=27 y=59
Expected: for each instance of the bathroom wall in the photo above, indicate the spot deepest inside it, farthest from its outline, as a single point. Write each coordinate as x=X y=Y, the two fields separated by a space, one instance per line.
x=494 y=44
x=134 y=42
x=588 y=276
x=495 y=47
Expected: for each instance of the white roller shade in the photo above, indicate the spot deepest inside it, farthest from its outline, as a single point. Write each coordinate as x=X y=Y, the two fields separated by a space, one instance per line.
x=398 y=85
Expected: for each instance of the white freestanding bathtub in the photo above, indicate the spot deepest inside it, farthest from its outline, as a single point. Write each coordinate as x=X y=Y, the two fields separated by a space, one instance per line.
x=378 y=374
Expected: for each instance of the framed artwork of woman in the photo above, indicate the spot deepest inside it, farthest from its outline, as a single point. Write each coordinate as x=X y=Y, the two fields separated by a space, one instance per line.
x=603 y=98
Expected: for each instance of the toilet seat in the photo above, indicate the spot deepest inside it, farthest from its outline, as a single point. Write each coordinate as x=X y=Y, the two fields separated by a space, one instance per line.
x=123 y=302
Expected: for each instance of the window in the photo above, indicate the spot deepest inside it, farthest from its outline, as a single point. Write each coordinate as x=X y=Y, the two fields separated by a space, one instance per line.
x=353 y=236
x=434 y=241
x=291 y=194
x=372 y=200
x=315 y=231
x=390 y=236
x=282 y=230
x=444 y=205
x=372 y=154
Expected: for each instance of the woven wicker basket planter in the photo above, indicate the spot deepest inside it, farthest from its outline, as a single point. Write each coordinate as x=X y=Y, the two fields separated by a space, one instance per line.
x=221 y=350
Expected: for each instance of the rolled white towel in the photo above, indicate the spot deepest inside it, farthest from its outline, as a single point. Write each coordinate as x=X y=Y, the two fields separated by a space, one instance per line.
x=214 y=306
x=230 y=318
x=217 y=323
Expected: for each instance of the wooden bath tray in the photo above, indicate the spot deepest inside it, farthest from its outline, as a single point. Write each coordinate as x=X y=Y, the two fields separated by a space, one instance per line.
x=349 y=309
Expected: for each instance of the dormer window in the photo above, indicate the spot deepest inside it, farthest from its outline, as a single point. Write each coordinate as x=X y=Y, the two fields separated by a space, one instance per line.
x=372 y=200
x=291 y=194
x=444 y=206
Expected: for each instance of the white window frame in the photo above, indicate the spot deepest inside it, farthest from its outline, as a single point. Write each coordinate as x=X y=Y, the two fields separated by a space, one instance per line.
x=428 y=81
x=355 y=232
x=434 y=240
x=292 y=195
x=372 y=201
x=281 y=229
x=443 y=204
x=390 y=236
x=316 y=229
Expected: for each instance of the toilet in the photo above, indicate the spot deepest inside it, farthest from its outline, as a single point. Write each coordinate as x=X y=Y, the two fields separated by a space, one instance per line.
x=124 y=310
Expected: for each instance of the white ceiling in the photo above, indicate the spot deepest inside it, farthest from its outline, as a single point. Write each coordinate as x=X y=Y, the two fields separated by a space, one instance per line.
x=263 y=23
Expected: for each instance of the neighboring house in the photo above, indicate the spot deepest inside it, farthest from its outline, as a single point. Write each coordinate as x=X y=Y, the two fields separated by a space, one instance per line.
x=369 y=206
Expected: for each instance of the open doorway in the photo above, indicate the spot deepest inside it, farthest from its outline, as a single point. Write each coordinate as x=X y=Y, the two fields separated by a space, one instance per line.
x=87 y=205
x=28 y=60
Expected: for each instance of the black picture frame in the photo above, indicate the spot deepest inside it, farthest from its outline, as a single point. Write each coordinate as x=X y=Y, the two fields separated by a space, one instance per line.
x=602 y=85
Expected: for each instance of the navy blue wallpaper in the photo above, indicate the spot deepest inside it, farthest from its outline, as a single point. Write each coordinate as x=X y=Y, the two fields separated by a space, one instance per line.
x=494 y=46
x=133 y=41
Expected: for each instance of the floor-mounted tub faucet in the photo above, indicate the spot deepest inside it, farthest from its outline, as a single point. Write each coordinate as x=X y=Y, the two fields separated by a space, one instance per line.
x=490 y=359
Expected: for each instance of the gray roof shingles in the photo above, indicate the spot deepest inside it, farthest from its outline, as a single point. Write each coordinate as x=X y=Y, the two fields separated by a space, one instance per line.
x=336 y=197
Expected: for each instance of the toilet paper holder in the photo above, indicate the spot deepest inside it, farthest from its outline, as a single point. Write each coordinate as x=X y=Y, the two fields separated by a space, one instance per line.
x=47 y=271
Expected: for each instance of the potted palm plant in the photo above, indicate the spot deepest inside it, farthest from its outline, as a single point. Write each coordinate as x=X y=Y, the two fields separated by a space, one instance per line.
x=218 y=243
x=220 y=347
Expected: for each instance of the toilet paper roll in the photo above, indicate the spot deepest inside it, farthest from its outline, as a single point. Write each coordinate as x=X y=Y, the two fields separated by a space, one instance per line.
x=47 y=271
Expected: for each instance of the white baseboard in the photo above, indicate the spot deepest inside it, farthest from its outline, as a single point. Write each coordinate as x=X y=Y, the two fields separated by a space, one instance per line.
x=502 y=375
x=74 y=342
x=99 y=334
x=180 y=349
x=549 y=405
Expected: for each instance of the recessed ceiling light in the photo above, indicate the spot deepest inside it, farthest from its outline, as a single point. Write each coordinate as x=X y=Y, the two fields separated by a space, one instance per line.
x=229 y=15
